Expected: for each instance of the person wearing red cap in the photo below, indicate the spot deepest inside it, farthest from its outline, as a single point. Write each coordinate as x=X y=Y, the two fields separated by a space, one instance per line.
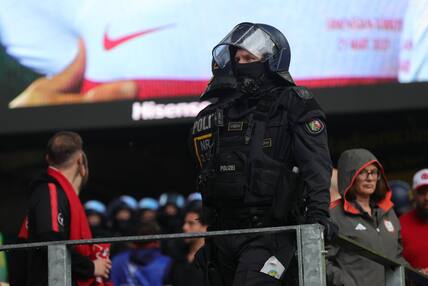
x=414 y=224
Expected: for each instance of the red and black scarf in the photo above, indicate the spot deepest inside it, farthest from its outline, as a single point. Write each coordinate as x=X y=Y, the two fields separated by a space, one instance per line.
x=79 y=227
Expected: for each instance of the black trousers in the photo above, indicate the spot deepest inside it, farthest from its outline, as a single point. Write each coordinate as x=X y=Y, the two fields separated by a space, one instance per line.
x=238 y=260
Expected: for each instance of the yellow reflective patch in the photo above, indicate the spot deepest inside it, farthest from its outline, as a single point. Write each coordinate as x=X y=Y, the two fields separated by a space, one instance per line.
x=195 y=142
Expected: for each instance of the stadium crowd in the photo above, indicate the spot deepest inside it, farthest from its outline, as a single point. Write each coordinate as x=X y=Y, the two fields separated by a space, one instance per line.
x=173 y=213
x=390 y=217
x=152 y=263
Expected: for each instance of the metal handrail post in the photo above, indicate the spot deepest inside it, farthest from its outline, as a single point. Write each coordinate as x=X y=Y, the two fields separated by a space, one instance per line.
x=395 y=276
x=299 y=255
x=59 y=265
x=310 y=246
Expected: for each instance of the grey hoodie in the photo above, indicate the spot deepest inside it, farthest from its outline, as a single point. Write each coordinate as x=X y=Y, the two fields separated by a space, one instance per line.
x=380 y=232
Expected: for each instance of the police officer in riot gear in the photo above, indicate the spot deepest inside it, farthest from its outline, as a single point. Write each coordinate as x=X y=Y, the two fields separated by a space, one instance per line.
x=262 y=153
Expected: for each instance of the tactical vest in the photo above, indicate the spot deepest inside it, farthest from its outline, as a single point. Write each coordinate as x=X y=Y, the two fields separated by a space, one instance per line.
x=241 y=154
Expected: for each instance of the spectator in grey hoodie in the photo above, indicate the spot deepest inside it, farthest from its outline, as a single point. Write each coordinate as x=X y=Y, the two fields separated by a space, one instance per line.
x=364 y=214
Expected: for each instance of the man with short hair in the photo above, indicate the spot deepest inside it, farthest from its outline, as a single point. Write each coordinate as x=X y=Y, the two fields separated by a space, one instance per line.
x=56 y=213
x=183 y=270
x=414 y=224
x=194 y=222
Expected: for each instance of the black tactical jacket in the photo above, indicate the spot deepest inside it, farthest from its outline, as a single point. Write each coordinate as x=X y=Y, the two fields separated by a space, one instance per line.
x=250 y=150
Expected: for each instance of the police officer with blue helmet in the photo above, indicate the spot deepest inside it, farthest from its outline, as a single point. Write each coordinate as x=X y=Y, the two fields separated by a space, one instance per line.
x=147 y=210
x=401 y=197
x=262 y=153
x=121 y=214
x=148 y=204
x=194 y=200
x=96 y=213
x=170 y=215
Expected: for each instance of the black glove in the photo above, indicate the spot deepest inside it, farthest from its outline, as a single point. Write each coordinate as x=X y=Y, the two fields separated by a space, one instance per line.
x=331 y=230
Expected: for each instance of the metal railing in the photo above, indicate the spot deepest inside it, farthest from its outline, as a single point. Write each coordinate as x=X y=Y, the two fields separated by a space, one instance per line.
x=310 y=254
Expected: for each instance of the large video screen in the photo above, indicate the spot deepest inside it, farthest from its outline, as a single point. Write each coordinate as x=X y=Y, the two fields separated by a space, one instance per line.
x=143 y=60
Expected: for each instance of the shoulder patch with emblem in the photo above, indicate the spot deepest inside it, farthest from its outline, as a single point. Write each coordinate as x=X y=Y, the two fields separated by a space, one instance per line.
x=303 y=92
x=315 y=126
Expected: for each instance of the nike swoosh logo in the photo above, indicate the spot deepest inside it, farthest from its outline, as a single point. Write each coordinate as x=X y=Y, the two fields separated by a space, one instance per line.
x=110 y=43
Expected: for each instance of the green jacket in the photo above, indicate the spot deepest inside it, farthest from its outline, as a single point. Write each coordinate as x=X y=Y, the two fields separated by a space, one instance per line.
x=379 y=232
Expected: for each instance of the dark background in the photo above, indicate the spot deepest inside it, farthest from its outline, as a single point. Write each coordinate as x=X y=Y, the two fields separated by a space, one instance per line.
x=147 y=160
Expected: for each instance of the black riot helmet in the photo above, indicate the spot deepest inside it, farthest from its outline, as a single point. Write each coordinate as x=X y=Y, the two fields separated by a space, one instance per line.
x=261 y=40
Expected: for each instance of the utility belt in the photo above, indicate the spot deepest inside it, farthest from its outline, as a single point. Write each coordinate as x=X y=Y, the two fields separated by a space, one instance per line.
x=239 y=218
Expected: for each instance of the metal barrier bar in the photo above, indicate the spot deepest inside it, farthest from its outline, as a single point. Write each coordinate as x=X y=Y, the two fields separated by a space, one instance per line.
x=310 y=250
x=59 y=261
x=349 y=244
x=59 y=265
x=395 y=272
x=150 y=237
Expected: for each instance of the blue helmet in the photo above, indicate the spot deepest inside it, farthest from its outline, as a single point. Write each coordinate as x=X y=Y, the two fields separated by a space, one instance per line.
x=401 y=196
x=123 y=202
x=148 y=204
x=129 y=201
x=95 y=206
x=196 y=196
x=171 y=198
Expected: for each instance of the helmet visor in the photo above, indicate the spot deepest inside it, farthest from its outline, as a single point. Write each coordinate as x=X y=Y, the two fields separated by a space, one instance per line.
x=248 y=37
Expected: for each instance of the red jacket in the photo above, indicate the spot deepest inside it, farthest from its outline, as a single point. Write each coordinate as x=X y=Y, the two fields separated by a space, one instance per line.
x=414 y=232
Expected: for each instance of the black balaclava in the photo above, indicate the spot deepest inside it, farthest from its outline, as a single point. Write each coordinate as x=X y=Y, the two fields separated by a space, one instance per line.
x=123 y=227
x=170 y=223
x=254 y=70
x=252 y=78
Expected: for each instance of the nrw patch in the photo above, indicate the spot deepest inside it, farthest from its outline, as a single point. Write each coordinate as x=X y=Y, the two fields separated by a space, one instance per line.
x=203 y=145
x=315 y=126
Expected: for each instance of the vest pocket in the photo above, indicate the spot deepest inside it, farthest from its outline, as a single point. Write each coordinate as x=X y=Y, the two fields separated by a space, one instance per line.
x=264 y=181
x=223 y=190
x=228 y=183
